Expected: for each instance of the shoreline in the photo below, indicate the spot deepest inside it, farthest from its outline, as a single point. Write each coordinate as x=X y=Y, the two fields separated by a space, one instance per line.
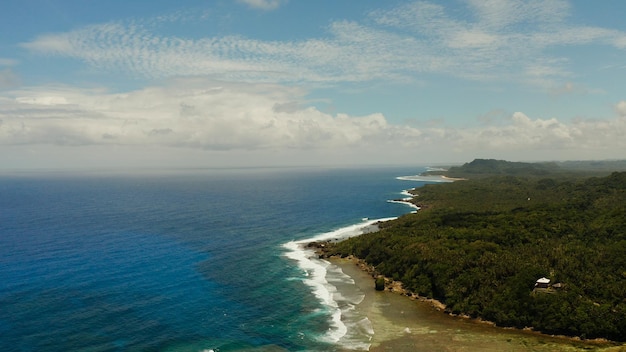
x=348 y=331
x=389 y=314
x=394 y=330
x=431 y=178
x=453 y=178
x=394 y=286
x=365 y=274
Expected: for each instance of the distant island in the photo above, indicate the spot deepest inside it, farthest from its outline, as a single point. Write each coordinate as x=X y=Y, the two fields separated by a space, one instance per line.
x=524 y=245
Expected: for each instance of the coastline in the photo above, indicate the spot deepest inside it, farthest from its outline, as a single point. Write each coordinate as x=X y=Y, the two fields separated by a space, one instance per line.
x=407 y=322
x=429 y=178
x=403 y=321
x=334 y=289
x=406 y=201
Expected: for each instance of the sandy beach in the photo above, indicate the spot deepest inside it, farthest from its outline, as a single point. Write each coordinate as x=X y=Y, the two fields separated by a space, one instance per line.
x=402 y=324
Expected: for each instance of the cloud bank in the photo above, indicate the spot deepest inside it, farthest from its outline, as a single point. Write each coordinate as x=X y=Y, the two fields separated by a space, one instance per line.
x=202 y=115
x=189 y=113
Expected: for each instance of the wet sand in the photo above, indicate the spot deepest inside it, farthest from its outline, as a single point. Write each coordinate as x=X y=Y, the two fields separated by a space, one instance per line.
x=404 y=324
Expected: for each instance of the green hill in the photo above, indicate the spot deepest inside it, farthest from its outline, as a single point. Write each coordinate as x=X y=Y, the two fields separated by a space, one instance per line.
x=490 y=167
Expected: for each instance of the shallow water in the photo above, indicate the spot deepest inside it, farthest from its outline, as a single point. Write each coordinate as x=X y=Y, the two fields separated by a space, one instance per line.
x=401 y=324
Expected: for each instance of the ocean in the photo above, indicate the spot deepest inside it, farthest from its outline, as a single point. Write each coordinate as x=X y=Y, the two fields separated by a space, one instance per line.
x=190 y=260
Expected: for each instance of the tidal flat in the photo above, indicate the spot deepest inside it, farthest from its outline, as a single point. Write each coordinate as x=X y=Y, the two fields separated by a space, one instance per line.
x=402 y=324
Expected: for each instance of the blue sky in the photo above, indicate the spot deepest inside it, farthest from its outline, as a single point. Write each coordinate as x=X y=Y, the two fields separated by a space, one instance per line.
x=285 y=82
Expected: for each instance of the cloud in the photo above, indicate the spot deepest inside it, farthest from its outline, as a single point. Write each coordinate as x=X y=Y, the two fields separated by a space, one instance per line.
x=188 y=113
x=8 y=79
x=263 y=4
x=510 y=14
x=541 y=139
x=499 y=40
x=7 y=62
x=199 y=115
x=620 y=108
x=566 y=88
x=55 y=44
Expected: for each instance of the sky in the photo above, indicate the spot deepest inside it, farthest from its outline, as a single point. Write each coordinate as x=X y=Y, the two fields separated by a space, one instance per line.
x=250 y=83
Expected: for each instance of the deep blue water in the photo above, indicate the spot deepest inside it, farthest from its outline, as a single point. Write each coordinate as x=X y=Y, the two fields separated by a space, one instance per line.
x=180 y=261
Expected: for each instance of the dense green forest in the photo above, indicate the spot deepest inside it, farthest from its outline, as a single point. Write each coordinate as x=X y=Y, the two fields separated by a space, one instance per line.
x=479 y=246
x=490 y=167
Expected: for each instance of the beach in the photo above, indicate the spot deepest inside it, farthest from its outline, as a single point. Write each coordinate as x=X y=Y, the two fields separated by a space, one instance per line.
x=401 y=323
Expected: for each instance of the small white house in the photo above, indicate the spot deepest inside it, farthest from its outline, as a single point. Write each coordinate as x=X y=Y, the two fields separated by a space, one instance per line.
x=542 y=283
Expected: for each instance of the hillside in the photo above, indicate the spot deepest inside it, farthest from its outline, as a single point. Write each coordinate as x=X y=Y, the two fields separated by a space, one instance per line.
x=480 y=245
x=491 y=167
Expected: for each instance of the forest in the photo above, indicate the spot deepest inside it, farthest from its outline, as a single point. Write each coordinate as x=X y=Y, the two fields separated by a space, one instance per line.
x=480 y=245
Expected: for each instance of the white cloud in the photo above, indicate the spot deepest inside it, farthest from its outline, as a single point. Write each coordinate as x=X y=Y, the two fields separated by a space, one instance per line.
x=263 y=4
x=507 y=14
x=248 y=121
x=186 y=113
x=547 y=138
x=472 y=38
x=7 y=62
x=505 y=40
x=620 y=108
x=8 y=79
x=59 y=44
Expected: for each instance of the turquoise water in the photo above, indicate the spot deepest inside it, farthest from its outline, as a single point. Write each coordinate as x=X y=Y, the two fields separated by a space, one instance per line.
x=183 y=261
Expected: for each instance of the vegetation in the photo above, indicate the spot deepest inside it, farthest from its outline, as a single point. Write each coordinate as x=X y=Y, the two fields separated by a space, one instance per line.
x=480 y=245
x=380 y=283
x=490 y=167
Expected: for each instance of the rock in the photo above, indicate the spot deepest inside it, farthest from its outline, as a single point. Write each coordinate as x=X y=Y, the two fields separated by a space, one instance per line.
x=380 y=283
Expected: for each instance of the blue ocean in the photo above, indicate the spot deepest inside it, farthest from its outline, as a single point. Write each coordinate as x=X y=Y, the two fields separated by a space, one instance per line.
x=194 y=260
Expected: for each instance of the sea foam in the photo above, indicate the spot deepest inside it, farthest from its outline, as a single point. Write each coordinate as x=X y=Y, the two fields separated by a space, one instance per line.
x=406 y=200
x=423 y=178
x=348 y=329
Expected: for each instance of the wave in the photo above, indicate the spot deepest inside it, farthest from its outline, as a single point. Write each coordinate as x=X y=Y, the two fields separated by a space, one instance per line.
x=430 y=168
x=333 y=288
x=406 y=201
x=424 y=178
